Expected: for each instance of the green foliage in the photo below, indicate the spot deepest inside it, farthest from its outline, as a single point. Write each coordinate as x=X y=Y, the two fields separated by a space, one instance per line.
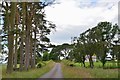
x=98 y=64
x=33 y=73
x=22 y=24
x=38 y=59
x=97 y=40
x=55 y=53
x=54 y=56
x=80 y=72
x=68 y=63
x=41 y=64
x=45 y=56
x=71 y=64
x=60 y=51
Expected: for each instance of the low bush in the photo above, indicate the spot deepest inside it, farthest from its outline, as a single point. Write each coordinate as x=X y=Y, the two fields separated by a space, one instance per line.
x=41 y=64
x=68 y=63
x=71 y=64
x=31 y=74
x=16 y=69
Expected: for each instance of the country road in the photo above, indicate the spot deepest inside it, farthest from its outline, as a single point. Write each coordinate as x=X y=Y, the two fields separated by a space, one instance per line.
x=55 y=72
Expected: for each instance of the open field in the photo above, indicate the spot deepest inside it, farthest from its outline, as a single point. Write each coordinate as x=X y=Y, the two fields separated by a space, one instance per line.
x=99 y=65
x=80 y=72
x=34 y=73
x=74 y=72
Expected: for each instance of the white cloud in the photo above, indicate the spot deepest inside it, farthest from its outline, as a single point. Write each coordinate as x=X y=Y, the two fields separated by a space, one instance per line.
x=71 y=14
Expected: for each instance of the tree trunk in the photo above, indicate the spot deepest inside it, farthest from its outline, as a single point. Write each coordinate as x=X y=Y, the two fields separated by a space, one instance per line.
x=22 y=37
x=34 y=54
x=21 y=54
x=11 y=38
x=16 y=37
x=91 y=61
x=83 y=61
x=103 y=61
x=104 y=56
x=31 y=50
x=27 y=49
x=27 y=42
x=15 y=54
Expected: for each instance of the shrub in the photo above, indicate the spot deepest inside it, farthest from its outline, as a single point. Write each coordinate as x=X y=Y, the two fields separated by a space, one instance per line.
x=16 y=69
x=45 y=56
x=71 y=64
x=39 y=65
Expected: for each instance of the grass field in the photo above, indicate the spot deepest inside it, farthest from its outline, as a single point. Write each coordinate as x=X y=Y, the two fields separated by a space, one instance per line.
x=0 y=71
x=80 y=72
x=34 y=73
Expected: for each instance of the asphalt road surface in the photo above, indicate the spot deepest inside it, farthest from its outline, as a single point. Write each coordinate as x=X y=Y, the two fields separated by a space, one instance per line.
x=54 y=74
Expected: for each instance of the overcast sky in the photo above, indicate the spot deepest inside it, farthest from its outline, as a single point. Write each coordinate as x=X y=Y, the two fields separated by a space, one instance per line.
x=73 y=17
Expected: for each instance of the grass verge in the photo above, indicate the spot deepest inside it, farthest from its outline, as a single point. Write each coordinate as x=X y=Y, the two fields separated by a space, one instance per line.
x=32 y=73
x=80 y=72
x=74 y=72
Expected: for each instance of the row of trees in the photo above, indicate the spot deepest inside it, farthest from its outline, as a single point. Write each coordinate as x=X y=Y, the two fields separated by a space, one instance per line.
x=60 y=51
x=25 y=31
x=99 y=40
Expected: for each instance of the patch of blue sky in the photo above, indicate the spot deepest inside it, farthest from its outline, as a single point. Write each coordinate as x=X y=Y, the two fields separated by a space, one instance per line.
x=46 y=1
x=93 y=2
x=87 y=3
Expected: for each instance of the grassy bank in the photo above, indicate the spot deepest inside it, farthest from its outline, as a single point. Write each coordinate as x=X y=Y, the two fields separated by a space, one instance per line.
x=80 y=72
x=74 y=72
x=33 y=73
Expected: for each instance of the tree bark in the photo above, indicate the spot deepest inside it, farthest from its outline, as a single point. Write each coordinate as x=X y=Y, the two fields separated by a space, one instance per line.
x=21 y=54
x=91 y=61
x=15 y=54
x=31 y=50
x=34 y=54
x=11 y=38
x=22 y=38
x=83 y=61
x=16 y=38
x=27 y=42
